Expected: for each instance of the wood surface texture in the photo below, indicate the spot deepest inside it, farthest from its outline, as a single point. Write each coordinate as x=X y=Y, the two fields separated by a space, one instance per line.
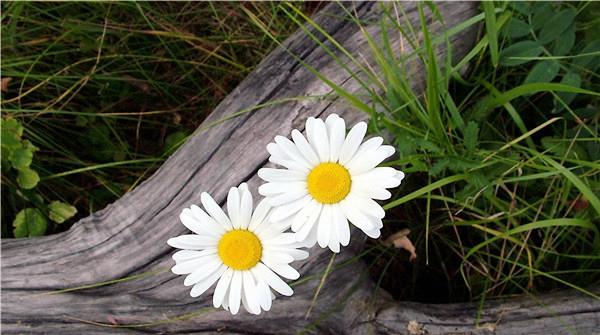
x=129 y=237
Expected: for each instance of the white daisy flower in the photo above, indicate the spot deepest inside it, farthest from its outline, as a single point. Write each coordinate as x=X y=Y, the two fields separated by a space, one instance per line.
x=329 y=179
x=243 y=251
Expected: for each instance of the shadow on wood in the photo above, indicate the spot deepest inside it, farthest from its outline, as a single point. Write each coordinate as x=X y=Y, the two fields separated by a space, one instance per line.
x=129 y=236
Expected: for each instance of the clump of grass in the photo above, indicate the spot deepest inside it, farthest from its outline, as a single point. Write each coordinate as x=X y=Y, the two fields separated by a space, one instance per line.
x=502 y=160
x=104 y=92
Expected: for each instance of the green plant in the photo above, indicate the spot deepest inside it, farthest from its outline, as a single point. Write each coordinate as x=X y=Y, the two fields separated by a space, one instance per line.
x=108 y=90
x=21 y=179
x=501 y=156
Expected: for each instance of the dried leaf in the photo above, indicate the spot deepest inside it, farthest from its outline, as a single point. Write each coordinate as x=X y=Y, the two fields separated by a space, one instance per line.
x=414 y=328
x=4 y=84
x=400 y=240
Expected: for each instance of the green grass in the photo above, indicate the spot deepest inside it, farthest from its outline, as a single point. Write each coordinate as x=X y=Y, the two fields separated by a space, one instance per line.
x=106 y=91
x=502 y=158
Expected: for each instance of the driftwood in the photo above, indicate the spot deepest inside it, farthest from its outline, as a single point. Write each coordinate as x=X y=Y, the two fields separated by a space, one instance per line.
x=128 y=237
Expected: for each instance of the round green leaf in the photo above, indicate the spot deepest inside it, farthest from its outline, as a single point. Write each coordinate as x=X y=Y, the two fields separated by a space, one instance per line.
x=29 y=222
x=27 y=178
x=543 y=72
x=556 y=25
x=59 y=212
x=10 y=132
x=20 y=158
x=510 y=56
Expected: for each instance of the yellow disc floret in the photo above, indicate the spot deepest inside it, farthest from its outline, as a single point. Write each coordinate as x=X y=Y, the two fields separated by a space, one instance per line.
x=329 y=183
x=240 y=249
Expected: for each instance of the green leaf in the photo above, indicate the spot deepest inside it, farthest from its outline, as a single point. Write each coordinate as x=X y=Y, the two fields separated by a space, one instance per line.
x=543 y=72
x=542 y=13
x=509 y=56
x=522 y=7
x=21 y=158
x=29 y=222
x=471 y=136
x=517 y=28
x=556 y=25
x=11 y=131
x=572 y=79
x=59 y=212
x=584 y=61
x=565 y=42
x=27 y=178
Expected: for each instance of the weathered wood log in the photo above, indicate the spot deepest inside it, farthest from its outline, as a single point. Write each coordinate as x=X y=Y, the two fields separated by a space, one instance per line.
x=129 y=236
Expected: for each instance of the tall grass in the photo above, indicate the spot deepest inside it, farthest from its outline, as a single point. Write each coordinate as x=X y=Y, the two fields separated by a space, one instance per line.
x=107 y=90
x=501 y=150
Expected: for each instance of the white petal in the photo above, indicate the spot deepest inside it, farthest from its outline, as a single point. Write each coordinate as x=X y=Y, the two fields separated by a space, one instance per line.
x=334 y=239
x=296 y=254
x=369 y=160
x=356 y=217
x=365 y=205
x=233 y=207
x=373 y=233
x=215 y=211
x=222 y=286
x=310 y=212
x=321 y=139
x=343 y=229
x=250 y=293
x=201 y=273
x=310 y=133
x=336 y=128
x=279 y=175
x=246 y=205
x=281 y=187
x=190 y=222
x=276 y=151
x=311 y=222
x=367 y=146
x=280 y=239
x=263 y=292
x=186 y=255
x=324 y=228
x=268 y=231
x=370 y=191
x=283 y=270
x=271 y=256
x=194 y=264
x=260 y=213
x=292 y=151
x=235 y=292
x=205 y=284
x=208 y=224
x=276 y=283
x=284 y=198
x=385 y=177
x=288 y=164
x=304 y=147
x=352 y=142
x=311 y=238
x=289 y=209
x=192 y=242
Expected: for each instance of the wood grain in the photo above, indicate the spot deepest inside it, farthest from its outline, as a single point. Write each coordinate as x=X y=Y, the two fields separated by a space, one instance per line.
x=129 y=236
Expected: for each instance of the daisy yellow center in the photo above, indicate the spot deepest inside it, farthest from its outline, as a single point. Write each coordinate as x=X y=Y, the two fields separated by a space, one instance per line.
x=329 y=183
x=240 y=249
